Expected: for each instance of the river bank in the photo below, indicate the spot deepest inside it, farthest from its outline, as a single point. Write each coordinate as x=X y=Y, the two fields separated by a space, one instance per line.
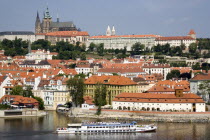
x=177 y=117
x=18 y=113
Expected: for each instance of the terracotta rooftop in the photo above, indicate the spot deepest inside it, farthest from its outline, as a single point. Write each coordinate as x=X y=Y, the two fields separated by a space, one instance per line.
x=191 y=32
x=110 y=80
x=125 y=36
x=88 y=100
x=201 y=77
x=67 y=33
x=158 y=98
x=174 y=38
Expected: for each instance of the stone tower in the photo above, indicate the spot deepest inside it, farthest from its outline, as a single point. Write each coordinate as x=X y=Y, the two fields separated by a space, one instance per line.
x=108 y=31
x=192 y=34
x=38 y=28
x=46 y=21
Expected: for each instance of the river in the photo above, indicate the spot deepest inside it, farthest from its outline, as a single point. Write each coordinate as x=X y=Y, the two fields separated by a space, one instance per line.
x=42 y=128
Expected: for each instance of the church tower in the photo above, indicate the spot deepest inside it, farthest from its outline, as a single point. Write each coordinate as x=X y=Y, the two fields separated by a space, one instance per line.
x=113 y=31
x=46 y=21
x=192 y=34
x=108 y=31
x=38 y=24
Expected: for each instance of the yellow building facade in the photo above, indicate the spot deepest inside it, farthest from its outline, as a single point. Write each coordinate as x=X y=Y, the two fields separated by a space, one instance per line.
x=115 y=85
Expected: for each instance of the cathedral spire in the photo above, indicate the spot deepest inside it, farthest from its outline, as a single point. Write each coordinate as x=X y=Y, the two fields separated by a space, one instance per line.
x=37 y=24
x=57 y=16
x=37 y=18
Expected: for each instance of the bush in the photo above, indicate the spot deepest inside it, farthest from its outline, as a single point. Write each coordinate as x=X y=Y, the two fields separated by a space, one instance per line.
x=2 y=107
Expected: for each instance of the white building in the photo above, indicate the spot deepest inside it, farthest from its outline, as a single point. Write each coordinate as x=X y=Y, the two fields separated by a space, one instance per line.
x=162 y=69
x=127 y=72
x=159 y=102
x=177 y=40
x=195 y=83
x=4 y=82
x=24 y=35
x=112 y=41
x=40 y=55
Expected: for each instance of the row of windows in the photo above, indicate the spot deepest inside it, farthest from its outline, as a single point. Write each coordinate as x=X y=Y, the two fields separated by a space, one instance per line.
x=109 y=126
x=95 y=131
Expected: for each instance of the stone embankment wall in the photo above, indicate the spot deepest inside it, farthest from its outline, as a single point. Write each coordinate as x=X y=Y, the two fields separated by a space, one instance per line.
x=21 y=113
x=143 y=116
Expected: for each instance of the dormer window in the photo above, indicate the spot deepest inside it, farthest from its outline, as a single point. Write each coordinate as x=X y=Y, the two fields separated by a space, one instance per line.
x=105 y=81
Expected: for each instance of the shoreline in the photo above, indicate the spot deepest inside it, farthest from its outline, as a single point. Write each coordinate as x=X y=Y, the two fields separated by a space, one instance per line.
x=175 y=117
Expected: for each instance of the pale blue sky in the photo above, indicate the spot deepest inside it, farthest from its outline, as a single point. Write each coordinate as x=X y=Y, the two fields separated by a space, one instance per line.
x=163 y=17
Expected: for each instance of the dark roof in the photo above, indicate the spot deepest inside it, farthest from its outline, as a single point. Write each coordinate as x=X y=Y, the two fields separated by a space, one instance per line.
x=44 y=62
x=62 y=24
x=17 y=33
x=93 y=64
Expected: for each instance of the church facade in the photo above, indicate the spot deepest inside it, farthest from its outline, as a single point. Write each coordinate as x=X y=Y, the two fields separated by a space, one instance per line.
x=47 y=25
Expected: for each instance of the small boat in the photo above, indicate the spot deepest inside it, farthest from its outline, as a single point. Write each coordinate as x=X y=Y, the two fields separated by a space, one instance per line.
x=106 y=127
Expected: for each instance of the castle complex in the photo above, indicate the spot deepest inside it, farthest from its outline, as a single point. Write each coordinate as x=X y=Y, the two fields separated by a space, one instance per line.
x=47 y=25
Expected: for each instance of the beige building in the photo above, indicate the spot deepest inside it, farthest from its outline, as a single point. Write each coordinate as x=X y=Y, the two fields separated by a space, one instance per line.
x=67 y=36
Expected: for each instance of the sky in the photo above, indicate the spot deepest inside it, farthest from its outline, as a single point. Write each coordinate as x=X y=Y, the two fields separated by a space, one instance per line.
x=161 y=17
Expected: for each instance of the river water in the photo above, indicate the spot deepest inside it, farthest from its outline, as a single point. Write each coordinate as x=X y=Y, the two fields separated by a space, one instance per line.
x=42 y=128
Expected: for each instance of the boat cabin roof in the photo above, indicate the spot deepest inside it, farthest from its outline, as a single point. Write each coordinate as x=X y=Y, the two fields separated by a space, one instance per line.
x=75 y=124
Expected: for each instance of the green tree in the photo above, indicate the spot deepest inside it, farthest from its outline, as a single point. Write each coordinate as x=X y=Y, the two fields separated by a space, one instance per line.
x=100 y=49
x=40 y=44
x=17 y=90
x=41 y=102
x=100 y=97
x=116 y=51
x=124 y=51
x=196 y=66
x=137 y=48
x=76 y=88
x=192 y=48
x=91 y=47
x=173 y=74
x=28 y=92
x=83 y=56
x=204 y=89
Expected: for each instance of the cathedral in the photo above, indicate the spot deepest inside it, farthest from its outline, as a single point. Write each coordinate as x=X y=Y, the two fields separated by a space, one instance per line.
x=47 y=25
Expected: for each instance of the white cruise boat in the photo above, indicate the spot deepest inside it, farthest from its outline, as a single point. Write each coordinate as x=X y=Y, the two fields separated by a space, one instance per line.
x=105 y=127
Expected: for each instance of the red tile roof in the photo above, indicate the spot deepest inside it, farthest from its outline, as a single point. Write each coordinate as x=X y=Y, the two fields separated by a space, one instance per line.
x=67 y=33
x=174 y=38
x=191 y=32
x=125 y=36
x=110 y=80
x=201 y=77
x=120 y=70
x=88 y=100
x=158 y=98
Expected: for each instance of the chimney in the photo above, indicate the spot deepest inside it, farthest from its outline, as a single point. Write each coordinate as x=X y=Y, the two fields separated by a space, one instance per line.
x=179 y=93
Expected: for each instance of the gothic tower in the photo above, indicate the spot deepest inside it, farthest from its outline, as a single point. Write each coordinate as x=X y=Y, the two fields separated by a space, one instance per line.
x=46 y=21
x=38 y=24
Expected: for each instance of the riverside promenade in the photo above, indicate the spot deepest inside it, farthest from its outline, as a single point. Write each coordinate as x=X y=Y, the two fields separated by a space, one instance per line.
x=151 y=116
